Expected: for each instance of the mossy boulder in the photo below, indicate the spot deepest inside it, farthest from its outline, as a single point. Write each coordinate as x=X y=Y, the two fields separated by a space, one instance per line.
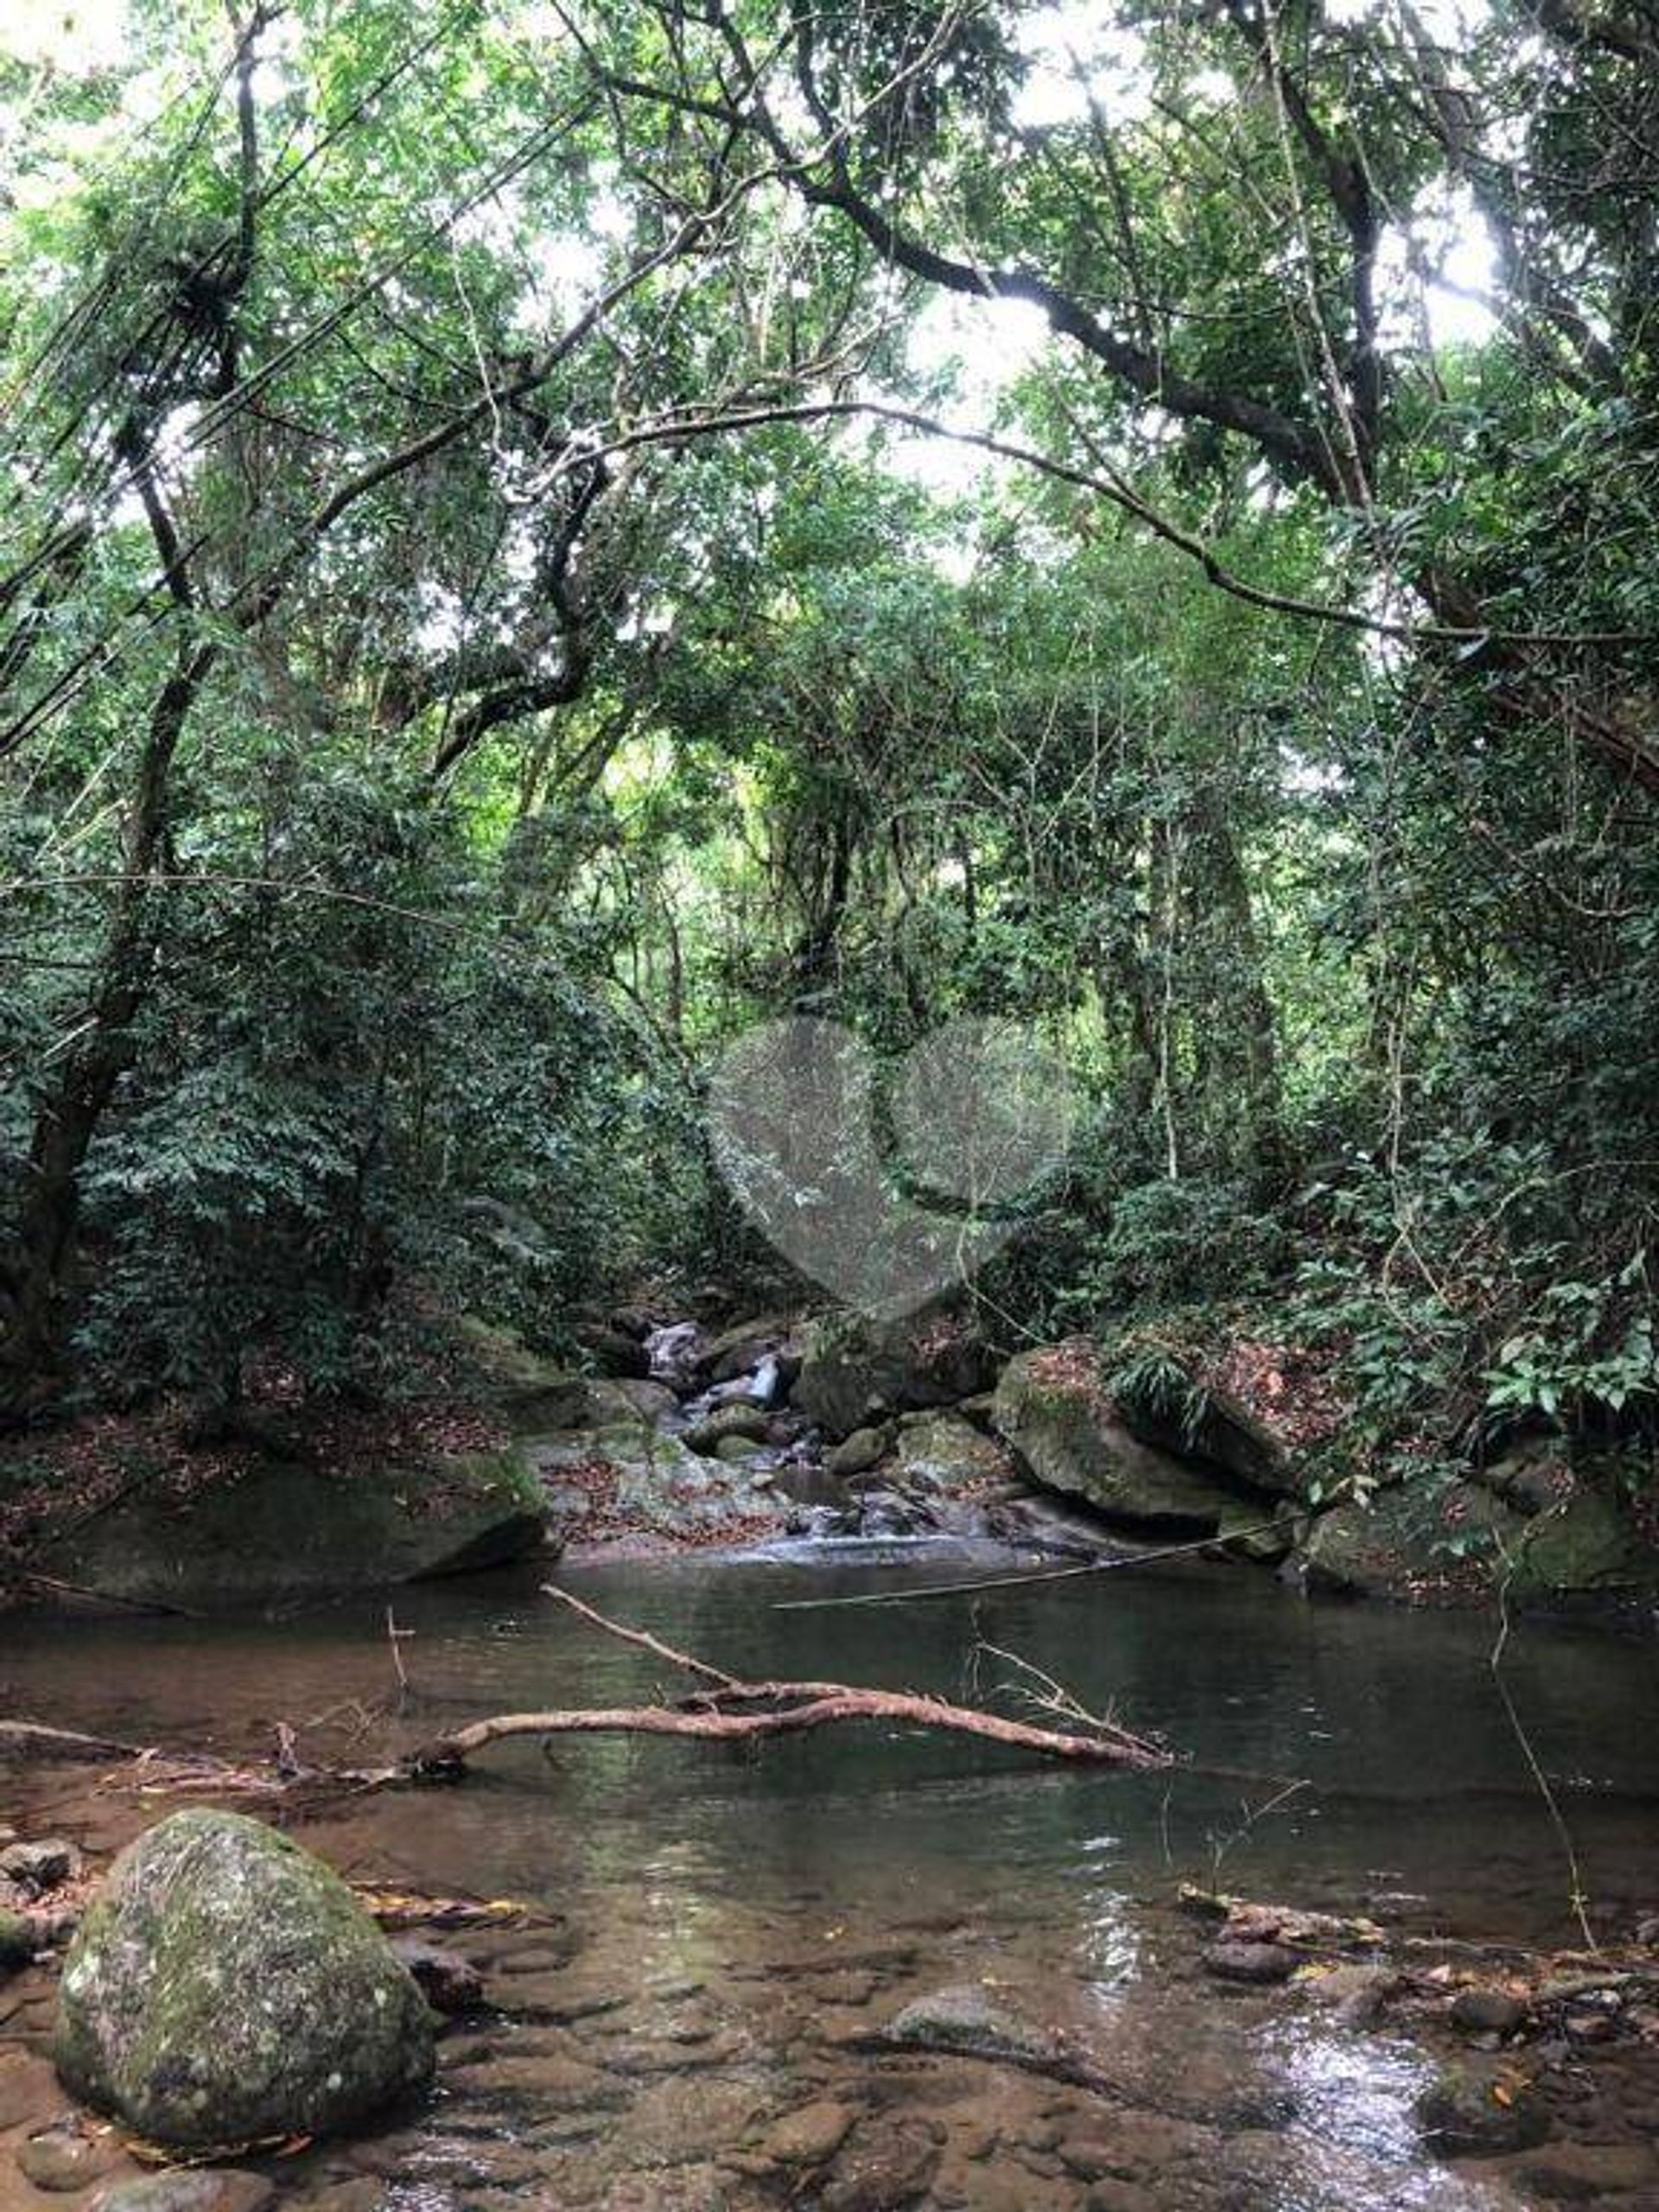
x=282 y=1530
x=1054 y=1406
x=943 y=1452
x=627 y=1481
x=855 y=1371
x=226 y=1985
x=1417 y=1543
x=1583 y=1547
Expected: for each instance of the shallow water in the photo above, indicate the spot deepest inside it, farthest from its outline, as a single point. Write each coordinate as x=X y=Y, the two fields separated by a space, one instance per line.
x=756 y=1914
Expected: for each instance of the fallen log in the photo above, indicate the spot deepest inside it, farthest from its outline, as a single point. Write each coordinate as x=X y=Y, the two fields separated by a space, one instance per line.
x=733 y=1711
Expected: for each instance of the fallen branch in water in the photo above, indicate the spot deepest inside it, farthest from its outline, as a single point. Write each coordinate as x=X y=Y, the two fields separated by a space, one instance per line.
x=732 y=1711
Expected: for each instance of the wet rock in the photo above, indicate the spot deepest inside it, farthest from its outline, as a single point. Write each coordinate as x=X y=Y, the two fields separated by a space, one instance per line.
x=1573 y=2173
x=1356 y=1995
x=1251 y=1532
x=745 y=1422
x=1471 y=2111
x=964 y=2019
x=197 y=2189
x=737 y=1450
x=740 y=1350
x=1255 y=1962
x=1591 y=2027
x=855 y=1371
x=884 y=2163
x=227 y=1985
x=857 y=1453
x=1488 y=2012
x=65 y=2157
x=674 y=1353
x=449 y=1983
x=810 y=2134
x=1053 y=1407
x=39 y=1866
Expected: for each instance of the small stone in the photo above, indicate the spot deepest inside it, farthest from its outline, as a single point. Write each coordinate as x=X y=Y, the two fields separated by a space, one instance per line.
x=1472 y=2111
x=808 y=2135
x=39 y=1867
x=190 y=2188
x=1488 y=2012
x=65 y=2159
x=1591 y=2027
x=449 y=1983
x=1254 y=1962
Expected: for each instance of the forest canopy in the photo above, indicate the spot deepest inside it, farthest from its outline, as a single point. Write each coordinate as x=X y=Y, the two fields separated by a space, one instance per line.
x=539 y=536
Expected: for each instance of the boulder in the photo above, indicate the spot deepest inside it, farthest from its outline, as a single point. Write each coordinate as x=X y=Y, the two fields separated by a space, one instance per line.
x=748 y=1422
x=1583 y=1546
x=1214 y=1426
x=744 y=1347
x=1416 y=1543
x=226 y=1985
x=1053 y=1407
x=284 y=1530
x=627 y=1480
x=945 y=1452
x=529 y=1391
x=855 y=1371
x=857 y=1453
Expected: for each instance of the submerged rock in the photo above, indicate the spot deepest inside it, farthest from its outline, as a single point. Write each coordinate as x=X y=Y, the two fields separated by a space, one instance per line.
x=1470 y=2111
x=190 y=2188
x=1053 y=1405
x=226 y=1985
x=964 y=2019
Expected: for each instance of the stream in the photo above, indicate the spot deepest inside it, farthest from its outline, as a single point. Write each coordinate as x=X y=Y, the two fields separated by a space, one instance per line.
x=718 y=1934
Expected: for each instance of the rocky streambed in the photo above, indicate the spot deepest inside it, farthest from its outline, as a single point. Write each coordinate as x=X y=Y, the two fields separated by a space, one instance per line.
x=876 y=1969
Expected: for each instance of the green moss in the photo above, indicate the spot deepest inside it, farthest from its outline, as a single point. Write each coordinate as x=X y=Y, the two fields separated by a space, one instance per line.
x=227 y=1985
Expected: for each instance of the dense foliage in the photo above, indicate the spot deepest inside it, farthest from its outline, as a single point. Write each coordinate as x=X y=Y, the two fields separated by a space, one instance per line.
x=497 y=599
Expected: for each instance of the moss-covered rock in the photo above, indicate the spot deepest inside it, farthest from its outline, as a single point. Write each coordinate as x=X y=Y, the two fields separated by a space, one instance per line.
x=1054 y=1408
x=226 y=1985
x=284 y=1529
x=629 y=1481
x=1417 y=1543
x=945 y=1452
x=855 y=1371
x=1584 y=1546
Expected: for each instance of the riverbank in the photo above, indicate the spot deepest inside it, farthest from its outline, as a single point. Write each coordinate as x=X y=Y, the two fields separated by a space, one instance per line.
x=792 y=1427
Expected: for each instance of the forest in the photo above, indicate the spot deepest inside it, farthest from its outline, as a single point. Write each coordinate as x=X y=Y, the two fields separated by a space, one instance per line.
x=819 y=803
x=536 y=542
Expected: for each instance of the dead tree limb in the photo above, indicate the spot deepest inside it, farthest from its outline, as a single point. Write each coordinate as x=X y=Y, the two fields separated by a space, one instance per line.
x=773 y=1708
